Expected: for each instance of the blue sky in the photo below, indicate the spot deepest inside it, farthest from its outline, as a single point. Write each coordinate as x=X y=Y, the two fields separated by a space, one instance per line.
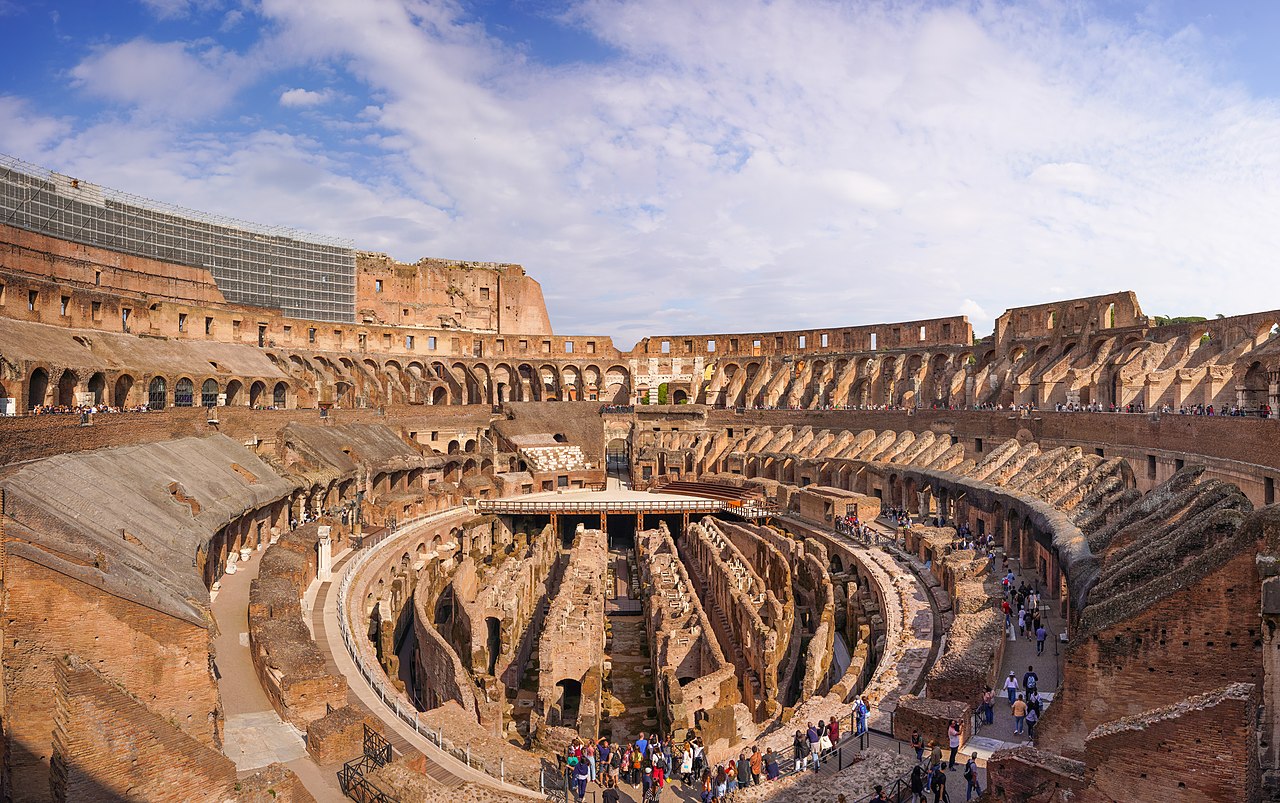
x=665 y=166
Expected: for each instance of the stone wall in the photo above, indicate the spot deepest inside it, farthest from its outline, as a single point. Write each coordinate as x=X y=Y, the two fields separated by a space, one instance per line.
x=289 y=665
x=164 y=660
x=695 y=686
x=575 y=616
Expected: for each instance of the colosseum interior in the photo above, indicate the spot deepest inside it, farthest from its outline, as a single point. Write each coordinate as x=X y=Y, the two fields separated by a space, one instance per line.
x=391 y=533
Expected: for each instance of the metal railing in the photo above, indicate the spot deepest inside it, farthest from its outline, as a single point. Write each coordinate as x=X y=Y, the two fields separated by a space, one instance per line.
x=395 y=702
x=377 y=753
x=584 y=506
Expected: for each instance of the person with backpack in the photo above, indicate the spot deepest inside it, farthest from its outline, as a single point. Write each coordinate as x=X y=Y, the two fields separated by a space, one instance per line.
x=938 y=785
x=971 y=778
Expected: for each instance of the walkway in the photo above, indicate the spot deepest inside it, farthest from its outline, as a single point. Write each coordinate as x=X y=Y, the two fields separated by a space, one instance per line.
x=1018 y=655
x=253 y=734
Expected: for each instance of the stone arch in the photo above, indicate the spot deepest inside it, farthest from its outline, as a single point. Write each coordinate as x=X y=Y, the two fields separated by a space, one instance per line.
x=280 y=395
x=256 y=391
x=37 y=388
x=67 y=388
x=184 y=392
x=209 y=393
x=440 y=395
x=234 y=388
x=157 y=393
x=97 y=387
x=120 y=392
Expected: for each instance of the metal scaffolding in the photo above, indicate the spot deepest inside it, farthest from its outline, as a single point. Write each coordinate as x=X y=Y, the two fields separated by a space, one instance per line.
x=302 y=275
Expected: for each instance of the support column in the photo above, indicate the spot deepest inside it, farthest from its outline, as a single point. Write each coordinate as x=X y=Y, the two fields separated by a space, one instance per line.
x=1273 y=393
x=324 y=571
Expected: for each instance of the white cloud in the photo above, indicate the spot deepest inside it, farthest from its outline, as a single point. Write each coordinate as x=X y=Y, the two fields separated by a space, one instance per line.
x=304 y=98
x=737 y=165
x=179 y=9
x=169 y=79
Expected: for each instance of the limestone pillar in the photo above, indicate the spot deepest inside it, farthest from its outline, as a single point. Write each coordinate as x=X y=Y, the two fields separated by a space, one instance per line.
x=324 y=572
x=1273 y=393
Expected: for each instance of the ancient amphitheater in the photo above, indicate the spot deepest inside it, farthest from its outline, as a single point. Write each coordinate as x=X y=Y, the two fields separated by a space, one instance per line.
x=284 y=520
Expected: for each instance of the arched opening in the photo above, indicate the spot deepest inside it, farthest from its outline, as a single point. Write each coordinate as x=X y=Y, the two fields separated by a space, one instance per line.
x=67 y=389
x=183 y=393
x=440 y=395
x=123 y=387
x=233 y=392
x=570 y=702
x=256 y=390
x=98 y=388
x=209 y=393
x=157 y=393
x=37 y=387
x=493 y=642
x=679 y=397
x=280 y=395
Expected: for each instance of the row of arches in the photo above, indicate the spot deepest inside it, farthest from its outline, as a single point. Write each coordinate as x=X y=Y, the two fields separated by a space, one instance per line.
x=157 y=392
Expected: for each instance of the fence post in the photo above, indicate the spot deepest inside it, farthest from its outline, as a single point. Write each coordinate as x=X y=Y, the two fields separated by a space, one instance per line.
x=468 y=755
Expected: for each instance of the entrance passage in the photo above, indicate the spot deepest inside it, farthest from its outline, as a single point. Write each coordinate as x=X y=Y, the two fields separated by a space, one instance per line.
x=570 y=702
x=622 y=531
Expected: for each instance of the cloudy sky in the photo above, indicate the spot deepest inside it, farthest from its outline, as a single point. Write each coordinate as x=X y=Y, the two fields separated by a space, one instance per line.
x=668 y=166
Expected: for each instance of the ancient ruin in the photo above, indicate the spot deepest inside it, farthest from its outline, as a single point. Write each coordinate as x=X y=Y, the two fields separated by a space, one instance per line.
x=277 y=540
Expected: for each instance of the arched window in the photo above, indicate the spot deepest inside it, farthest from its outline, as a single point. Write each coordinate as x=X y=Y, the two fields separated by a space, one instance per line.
x=156 y=394
x=279 y=395
x=209 y=394
x=183 y=393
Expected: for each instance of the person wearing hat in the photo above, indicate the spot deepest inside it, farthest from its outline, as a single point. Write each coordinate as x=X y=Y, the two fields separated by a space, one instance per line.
x=1011 y=687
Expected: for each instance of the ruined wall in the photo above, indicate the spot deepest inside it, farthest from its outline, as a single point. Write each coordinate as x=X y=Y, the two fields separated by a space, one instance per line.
x=1147 y=754
x=694 y=685
x=290 y=667
x=1189 y=642
x=107 y=746
x=575 y=616
x=733 y=595
x=162 y=660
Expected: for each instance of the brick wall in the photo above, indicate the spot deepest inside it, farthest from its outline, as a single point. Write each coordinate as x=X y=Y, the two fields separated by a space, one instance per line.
x=1192 y=641
x=163 y=660
x=107 y=746
x=1201 y=749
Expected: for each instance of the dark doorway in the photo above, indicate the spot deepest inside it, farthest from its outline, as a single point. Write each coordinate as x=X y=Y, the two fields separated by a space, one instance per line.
x=622 y=531
x=494 y=642
x=570 y=702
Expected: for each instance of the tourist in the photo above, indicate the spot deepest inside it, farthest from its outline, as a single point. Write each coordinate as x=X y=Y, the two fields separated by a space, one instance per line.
x=824 y=738
x=757 y=764
x=659 y=781
x=1041 y=635
x=636 y=764
x=1011 y=687
x=917 y=741
x=802 y=751
x=833 y=731
x=988 y=705
x=708 y=789
x=686 y=765
x=589 y=753
x=953 y=740
x=610 y=793
x=771 y=765
x=646 y=783
x=722 y=784
x=917 y=784
x=1019 y=714
x=1030 y=680
x=878 y=797
x=580 y=775
x=699 y=756
x=1033 y=716
x=971 y=778
x=744 y=771
x=938 y=784
x=602 y=757
x=935 y=755
x=815 y=741
x=861 y=710
x=731 y=776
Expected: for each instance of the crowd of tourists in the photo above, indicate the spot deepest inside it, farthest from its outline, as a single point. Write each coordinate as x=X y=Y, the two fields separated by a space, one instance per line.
x=651 y=764
x=81 y=409
x=929 y=777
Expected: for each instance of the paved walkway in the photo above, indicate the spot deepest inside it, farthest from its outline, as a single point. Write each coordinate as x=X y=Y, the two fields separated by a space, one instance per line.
x=1018 y=655
x=253 y=734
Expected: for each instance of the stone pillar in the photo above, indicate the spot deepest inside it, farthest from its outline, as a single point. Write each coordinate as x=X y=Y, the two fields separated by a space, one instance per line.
x=1273 y=392
x=324 y=571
